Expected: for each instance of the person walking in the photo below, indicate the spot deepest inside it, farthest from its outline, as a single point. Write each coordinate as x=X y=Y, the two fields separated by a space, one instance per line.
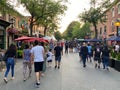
x=97 y=55
x=37 y=55
x=89 y=52
x=10 y=62
x=58 y=51
x=26 y=62
x=105 y=57
x=66 y=47
x=84 y=53
x=49 y=57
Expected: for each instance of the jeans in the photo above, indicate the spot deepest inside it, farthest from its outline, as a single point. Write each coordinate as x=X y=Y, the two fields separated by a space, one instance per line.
x=84 y=59
x=105 y=62
x=10 y=64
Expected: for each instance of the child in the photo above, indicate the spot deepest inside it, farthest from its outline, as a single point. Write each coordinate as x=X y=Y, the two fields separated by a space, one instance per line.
x=49 y=57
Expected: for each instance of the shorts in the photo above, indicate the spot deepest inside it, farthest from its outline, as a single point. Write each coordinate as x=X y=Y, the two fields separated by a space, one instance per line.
x=38 y=66
x=58 y=58
x=49 y=61
x=97 y=59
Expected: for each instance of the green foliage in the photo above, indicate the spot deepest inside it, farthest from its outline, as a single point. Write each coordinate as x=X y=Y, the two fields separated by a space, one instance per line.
x=75 y=31
x=71 y=30
x=58 y=35
x=118 y=56
x=44 y=12
x=113 y=54
x=6 y=8
x=25 y=32
x=19 y=53
x=95 y=14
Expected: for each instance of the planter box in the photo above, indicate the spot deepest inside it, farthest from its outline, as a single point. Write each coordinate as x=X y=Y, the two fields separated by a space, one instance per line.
x=117 y=65
x=112 y=62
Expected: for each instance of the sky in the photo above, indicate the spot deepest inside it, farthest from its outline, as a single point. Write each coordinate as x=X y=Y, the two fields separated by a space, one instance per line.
x=75 y=7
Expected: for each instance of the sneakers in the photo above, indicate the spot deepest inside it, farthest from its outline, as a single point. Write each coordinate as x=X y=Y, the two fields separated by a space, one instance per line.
x=58 y=67
x=107 y=69
x=55 y=66
x=98 y=67
x=5 y=80
x=24 y=79
x=12 y=78
x=95 y=65
x=37 y=84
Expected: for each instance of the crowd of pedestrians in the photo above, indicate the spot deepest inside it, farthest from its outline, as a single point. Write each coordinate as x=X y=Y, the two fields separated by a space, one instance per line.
x=38 y=55
x=41 y=56
x=91 y=52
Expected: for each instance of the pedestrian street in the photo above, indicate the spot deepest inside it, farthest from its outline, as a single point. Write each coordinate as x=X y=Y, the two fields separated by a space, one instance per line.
x=70 y=76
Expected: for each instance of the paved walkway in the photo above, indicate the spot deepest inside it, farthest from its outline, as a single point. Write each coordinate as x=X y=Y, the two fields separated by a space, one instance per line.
x=71 y=76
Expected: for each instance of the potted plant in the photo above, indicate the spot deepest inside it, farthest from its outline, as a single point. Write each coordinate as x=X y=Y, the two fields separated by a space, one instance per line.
x=112 y=59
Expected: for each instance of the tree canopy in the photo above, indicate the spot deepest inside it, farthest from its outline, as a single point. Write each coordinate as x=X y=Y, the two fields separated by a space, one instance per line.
x=44 y=12
x=97 y=14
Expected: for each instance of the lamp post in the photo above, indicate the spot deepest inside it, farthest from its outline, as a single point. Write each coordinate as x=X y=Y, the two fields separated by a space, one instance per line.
x=117 y=24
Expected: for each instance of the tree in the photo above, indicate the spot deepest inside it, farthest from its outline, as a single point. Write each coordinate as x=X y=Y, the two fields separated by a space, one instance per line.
x=43 y=12
x=70 y=32
x=95 y=14
x=58 y=35
x=6 y=8
x=76 y=30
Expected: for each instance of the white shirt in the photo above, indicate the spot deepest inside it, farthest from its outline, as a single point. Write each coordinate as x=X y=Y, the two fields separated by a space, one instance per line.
x=50 y=56
x=38 y=52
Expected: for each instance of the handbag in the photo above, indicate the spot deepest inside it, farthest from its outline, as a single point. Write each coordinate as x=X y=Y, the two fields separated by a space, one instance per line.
x=5 y=57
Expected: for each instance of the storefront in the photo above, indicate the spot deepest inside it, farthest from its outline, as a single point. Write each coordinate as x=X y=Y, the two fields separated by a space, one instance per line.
x=3 y=26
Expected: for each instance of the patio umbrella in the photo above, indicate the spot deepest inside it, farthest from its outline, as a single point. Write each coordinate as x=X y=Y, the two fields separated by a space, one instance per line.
x=23 y=38
x=114 y=38
x=111 y=38
x=38 y=39
x=93 y=40
x=117 y=39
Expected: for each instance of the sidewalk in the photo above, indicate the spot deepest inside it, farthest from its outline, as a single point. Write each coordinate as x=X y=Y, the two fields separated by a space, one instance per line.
x=71 y=76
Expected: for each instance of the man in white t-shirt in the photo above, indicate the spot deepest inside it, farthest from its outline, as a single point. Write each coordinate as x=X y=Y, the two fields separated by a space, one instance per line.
x=37 y=55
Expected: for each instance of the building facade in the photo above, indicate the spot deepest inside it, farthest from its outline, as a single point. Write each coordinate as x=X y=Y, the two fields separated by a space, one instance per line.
x=108 y=29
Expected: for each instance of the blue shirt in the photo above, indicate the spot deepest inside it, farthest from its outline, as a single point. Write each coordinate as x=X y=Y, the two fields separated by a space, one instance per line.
x=89 y=49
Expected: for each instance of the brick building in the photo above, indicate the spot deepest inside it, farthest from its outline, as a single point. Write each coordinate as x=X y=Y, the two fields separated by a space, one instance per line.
x=108 y=29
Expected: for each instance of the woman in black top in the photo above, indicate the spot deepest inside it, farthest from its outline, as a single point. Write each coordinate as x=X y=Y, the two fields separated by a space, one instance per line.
x=10 y=53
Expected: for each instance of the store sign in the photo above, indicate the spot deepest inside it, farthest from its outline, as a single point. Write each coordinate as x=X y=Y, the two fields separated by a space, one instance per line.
x=2 y=28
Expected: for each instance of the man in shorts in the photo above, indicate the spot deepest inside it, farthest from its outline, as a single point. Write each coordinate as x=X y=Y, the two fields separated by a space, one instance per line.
x=37 y=53
x=58 y=51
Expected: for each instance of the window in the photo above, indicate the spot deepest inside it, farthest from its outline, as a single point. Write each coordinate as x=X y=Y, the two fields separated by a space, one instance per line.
x=118 y=8
x=105 y=29
x=113 y=12
x=100 y=30
x=112 y=25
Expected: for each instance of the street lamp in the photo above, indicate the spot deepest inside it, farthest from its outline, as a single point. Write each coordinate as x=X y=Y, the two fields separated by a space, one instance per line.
x=117 y=24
